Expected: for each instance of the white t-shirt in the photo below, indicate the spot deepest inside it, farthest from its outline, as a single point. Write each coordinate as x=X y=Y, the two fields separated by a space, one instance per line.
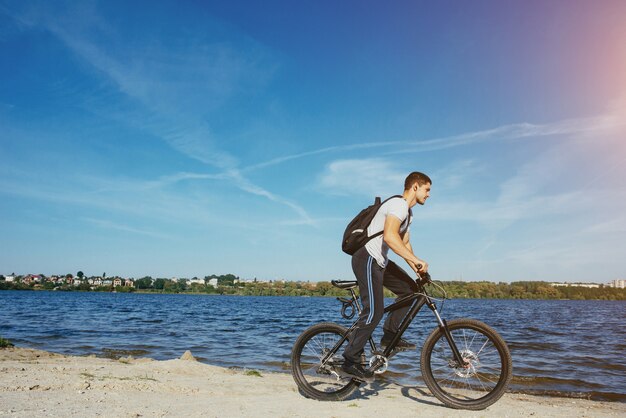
x=377 y=247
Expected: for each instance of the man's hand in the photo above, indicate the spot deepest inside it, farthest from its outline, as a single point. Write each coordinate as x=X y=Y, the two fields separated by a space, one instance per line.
x=420 y=267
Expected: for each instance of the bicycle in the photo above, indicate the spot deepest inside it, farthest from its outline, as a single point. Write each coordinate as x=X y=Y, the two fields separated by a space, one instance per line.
x=465 y=363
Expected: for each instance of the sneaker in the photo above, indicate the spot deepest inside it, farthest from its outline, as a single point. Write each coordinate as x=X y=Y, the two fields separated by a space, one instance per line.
x=403 y=344
x=357 y=371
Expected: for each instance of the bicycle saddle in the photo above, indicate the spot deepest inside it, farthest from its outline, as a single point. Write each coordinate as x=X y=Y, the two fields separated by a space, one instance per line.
x=344 y=284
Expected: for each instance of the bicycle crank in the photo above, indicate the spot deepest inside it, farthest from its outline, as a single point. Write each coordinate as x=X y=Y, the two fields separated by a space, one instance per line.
x=379 y=364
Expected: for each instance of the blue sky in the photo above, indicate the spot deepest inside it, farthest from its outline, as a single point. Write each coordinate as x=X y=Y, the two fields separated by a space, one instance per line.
x=185 y=139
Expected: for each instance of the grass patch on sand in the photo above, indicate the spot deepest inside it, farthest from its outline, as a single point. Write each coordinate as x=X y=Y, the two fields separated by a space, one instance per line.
x=253 y=373
x=108 y=376
x=353 y=405
x=132 y=378
x=5 y=343
x=152 y=379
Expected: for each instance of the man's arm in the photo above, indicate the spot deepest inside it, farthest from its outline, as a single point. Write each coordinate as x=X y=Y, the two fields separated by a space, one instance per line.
x=391 y=236
x=406 y=240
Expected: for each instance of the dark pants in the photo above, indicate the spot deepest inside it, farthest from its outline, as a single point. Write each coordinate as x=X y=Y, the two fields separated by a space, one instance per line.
x=371 y=278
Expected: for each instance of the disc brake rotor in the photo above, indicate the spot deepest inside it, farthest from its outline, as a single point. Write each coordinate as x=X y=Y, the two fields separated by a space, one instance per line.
x=472 y=364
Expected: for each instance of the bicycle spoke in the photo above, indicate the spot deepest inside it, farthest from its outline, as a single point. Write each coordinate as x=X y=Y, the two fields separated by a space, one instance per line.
x=445 y=366
x=315 y=368
x=311 y=370
x=473 y=337
x=476 y=378
x=481 y=348
x=478 y=375
x=480 y=382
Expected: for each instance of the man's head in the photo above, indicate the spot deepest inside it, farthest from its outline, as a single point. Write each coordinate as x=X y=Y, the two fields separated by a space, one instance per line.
x=418 y=185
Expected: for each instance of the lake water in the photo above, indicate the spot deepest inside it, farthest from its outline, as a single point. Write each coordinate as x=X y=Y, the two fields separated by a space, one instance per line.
x=563 y=348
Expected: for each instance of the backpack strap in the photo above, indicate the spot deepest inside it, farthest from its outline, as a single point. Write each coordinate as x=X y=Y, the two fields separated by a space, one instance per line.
x=379 y=233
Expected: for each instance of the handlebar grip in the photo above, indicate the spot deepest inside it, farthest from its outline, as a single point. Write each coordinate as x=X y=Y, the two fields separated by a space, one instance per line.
x=424 y=278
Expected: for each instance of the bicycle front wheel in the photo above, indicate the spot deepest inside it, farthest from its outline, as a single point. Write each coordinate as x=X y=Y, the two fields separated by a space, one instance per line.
x=316 y=378
x=484 y=377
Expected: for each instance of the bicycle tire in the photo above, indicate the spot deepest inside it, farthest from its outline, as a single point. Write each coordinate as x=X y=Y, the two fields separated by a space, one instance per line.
x=476 y=386
x=315 y=380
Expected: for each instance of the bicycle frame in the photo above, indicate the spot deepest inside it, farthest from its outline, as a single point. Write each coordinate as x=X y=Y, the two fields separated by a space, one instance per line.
x=417 y=300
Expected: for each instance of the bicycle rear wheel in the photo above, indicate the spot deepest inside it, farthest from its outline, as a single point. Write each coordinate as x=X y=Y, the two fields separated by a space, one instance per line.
x=323 y=382
x=477 y=384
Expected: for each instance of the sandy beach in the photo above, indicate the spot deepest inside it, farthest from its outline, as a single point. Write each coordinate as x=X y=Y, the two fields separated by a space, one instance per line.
x=41 y=384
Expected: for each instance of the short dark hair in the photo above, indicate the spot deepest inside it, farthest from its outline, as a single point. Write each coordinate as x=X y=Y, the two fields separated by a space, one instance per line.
x=416 y=177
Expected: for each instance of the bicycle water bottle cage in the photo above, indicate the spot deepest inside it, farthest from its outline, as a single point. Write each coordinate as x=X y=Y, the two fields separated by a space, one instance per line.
x=347 y=308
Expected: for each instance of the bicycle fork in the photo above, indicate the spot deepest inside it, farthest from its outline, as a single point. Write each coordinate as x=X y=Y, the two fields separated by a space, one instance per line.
x=443 y=326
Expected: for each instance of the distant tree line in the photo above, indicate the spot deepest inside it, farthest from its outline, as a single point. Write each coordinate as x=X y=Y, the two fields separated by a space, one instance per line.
x=529 y=290
x=230 y=284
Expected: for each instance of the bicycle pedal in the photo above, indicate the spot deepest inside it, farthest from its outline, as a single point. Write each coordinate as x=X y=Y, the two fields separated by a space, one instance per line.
x=346 y=376
x=396 y=351
x=343 y=375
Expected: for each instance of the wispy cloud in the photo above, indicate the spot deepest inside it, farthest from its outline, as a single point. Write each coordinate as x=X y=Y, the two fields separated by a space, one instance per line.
x=458 y=172
x=586 y=250
x=164 y=83
x=246 y=185
x=598 y=124
x=616 y=225
x=107 y=224
x=139 y=202
x=177 y=90
x=544 y=209
x=366 y=177
x=338 y=148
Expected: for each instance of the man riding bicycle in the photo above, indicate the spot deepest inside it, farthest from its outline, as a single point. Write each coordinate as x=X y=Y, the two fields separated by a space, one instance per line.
x=373 y=270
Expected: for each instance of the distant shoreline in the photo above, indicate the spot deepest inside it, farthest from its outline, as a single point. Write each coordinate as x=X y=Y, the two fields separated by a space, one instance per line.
x=341 y=294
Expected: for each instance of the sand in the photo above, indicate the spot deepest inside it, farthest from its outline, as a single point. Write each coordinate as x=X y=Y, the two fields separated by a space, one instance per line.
x=41 y=384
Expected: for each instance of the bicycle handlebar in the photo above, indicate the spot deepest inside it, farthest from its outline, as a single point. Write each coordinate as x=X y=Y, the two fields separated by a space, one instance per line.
x=423 y=278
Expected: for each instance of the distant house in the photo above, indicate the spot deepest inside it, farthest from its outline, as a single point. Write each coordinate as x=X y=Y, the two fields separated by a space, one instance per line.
x=213 y=282
x=31 y=278
x=97 y=281
x=117 y=282
x=9 y=278
x=107 y=282
x=618 y=283
x=591 y=285
x=129 y=283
